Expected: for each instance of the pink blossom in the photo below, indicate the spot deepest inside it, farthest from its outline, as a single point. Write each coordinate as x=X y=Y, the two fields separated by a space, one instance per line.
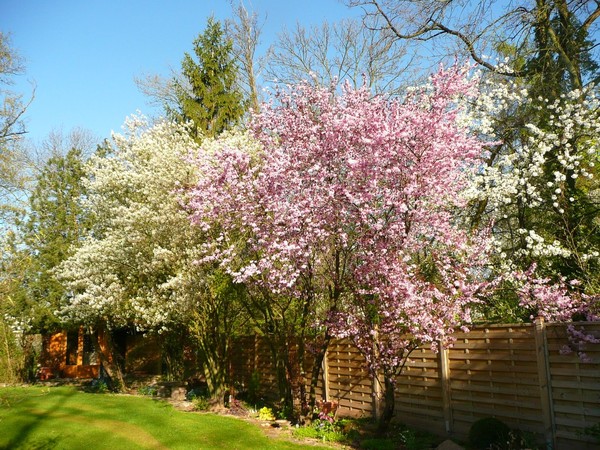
x=353 y=201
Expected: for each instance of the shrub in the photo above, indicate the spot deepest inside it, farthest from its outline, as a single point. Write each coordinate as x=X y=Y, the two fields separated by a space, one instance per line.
x=305 y=432
x=99 y=386
x=150 y=391
x=488 y=432
x=201 y=403
x=266 y=413
x=326 y=430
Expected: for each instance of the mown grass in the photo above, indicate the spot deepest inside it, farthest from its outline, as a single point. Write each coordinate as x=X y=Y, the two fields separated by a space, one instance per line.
x=63 y=417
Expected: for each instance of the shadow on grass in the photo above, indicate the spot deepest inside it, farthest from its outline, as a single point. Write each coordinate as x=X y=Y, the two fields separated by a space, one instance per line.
x=34 y=421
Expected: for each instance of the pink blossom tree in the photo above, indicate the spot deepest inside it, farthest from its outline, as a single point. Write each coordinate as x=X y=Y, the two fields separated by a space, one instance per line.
x=345 y=218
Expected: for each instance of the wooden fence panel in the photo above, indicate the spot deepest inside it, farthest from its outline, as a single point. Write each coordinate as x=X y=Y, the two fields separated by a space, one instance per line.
x=493 y=372
x=350 y=384
x=513 y=372
x=243 y=361
x=575 y=386
x=419 y=396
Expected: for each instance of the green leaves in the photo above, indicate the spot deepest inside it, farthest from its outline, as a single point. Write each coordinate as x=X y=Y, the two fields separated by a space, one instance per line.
x=208 y=95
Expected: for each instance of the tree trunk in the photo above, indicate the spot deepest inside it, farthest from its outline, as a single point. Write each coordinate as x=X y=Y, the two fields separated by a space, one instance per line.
x=316 y=372
x=108 y=358
x=388 y=404
x=214 y=367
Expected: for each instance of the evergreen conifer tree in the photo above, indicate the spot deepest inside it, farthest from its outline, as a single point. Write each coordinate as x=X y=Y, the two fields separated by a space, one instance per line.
x=54 y=228
x=207 y=95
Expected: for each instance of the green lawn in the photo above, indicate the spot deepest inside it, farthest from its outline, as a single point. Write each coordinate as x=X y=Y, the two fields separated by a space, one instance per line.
x=65 y=418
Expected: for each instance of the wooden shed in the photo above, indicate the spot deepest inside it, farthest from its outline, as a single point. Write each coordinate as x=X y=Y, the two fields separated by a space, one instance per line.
x=74 y=353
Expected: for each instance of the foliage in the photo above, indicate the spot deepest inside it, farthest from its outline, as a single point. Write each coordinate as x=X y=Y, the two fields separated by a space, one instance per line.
x=149 y=390
x=10 y=354
x=137 y=267
x=13 y=263
x=593 y=431
x=545 y=176
x=488 y=431
x=37 y=417
x=326 y=431
x=348 y=207
x=56 y=224
x=98 y=386
x=266 y=413
x=201 y=403
x=207 y=95
x=518 y=440
x=19 y=353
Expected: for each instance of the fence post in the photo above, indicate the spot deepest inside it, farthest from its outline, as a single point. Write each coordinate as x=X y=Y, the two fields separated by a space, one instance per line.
x=543 y=367
x=445 y=381
x=255 y=355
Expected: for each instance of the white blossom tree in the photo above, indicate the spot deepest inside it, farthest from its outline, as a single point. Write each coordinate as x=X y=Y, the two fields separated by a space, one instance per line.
x=137 y=268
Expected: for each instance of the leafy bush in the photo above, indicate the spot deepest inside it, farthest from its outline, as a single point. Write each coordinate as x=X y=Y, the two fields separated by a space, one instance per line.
x=99 y=386
x=201 y=403
x=488 y=432
x=327 y=430
x=518 y=440
x=150 y=391
x=266 y=413
x=306 y=432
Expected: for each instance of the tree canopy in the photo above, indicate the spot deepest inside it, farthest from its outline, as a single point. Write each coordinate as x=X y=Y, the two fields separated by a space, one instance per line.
x=207 y=94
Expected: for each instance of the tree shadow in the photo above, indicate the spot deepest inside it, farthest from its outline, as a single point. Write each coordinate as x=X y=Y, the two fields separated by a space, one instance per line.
x=21 y=439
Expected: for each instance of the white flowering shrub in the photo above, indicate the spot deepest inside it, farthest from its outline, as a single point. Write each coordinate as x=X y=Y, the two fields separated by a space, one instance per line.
x=137 y=267
x=539 y=186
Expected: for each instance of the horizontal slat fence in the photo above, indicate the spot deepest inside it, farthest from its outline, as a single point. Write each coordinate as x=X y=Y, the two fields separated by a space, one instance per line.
x=513 y=372
x=493 y=372
x=574 y=385
x=349 y=383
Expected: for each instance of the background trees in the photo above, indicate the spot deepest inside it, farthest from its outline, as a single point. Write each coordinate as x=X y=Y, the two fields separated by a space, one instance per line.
x=53 y=226
x=208 y=91
x=544 y=37
x=56 y=224
x=539 y=179
x=344 y=50
x=12 y=202
x=12 y=130
x=137 y=268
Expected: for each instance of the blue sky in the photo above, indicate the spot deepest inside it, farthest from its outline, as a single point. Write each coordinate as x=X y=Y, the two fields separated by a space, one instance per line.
x=83 y=55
